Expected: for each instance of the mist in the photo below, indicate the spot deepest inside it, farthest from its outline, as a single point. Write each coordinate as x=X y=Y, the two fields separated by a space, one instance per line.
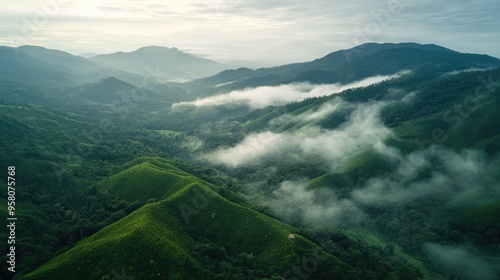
x=292 y=201
x=460 y=261
x=473 y=69
x=428 y=172
x=264 y=96
x=362 y=130
x=419 y=174
x=324 y=111
x=321 y=208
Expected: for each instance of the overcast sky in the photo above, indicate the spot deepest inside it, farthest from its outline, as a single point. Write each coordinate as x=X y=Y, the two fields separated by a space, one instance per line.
x=255 y=33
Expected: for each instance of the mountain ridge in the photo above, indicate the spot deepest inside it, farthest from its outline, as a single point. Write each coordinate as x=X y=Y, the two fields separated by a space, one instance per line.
x=366 y=61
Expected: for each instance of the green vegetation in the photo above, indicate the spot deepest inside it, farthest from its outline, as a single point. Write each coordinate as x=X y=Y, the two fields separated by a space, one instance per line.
x=148 y=179
x=155 y=242
x=483 y=215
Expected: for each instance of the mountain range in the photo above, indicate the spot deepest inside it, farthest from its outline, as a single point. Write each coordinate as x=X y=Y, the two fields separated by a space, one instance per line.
x=354 y=64
x=53 y=68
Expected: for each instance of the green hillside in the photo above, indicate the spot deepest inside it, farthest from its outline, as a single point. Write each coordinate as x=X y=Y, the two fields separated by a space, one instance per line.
x=148 y=178
x=157 y=242
x=466 y=123
x=483 y=215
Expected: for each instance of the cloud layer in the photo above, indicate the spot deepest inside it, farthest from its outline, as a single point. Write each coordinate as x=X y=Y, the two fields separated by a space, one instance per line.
x=278 y=95
x=447 y=172
x=419 y=174
x=361 y=131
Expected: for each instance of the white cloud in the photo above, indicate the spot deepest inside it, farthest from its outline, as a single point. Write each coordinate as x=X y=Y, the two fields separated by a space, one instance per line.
x=448 y=172
x=278 y=95
x=313 y=114
x=362 y=130
x=456 y=72
x=251 y=150
x=320 y=208
x=322 y=112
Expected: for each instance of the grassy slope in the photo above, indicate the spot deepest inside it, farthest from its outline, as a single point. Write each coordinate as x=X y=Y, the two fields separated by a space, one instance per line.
x=146 y=178
x=365 y=163
x=155 y=241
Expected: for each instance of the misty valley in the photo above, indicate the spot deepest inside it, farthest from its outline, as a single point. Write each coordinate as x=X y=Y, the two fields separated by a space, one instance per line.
x=158 y=164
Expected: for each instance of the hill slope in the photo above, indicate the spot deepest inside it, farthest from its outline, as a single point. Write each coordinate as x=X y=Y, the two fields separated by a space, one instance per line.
x=166 y=237
x=149 y=178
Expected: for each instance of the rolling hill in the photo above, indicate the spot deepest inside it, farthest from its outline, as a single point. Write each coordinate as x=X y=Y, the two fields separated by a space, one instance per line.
x=155 y=178
x=164 y=235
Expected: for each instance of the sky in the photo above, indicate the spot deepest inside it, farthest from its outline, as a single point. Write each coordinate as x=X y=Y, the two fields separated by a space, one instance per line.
x=249 y=33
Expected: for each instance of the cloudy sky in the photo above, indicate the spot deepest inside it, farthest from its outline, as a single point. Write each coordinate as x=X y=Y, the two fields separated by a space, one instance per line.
x=256 y=32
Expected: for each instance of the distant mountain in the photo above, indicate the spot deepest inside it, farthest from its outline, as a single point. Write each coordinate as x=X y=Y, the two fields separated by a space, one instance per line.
x=71 y=62
x=88 y=55
x=48 y=68
x=354 y=64
x=18 y=66
x=161 y=62
x=337 y=59
x=83 y=70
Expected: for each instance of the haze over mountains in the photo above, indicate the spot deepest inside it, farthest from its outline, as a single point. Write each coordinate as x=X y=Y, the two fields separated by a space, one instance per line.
x=46 y=67
x=163 y=63
x=377 y=162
